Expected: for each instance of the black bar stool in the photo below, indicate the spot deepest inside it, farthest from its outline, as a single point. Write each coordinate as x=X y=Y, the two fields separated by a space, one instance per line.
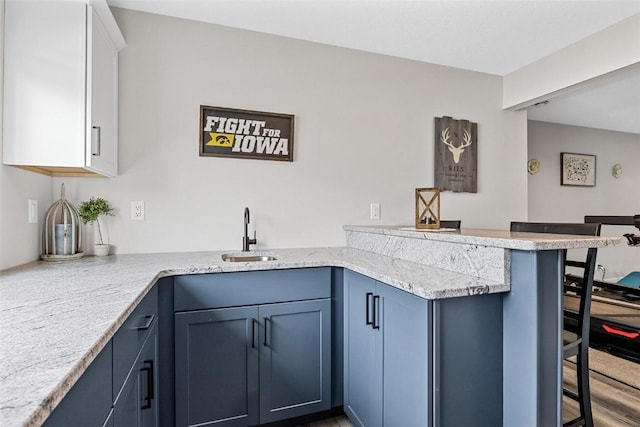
x=450 y=224
x=575 y=344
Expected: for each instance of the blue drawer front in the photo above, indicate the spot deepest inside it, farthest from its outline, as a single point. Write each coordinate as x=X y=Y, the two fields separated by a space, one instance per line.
x=128 y=340
x=203 y=291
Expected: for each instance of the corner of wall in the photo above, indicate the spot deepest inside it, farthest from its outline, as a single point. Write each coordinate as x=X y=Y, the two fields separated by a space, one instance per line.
x=611 y=49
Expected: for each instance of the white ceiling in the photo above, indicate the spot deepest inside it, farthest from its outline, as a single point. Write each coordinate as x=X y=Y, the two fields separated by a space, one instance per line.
x=491 y=36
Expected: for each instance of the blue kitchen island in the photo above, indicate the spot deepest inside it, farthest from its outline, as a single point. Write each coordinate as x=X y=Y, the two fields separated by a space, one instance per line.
x=56 y=320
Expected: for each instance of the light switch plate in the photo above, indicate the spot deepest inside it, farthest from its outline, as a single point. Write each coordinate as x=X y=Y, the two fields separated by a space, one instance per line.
x=32 y=215
x=374 y=211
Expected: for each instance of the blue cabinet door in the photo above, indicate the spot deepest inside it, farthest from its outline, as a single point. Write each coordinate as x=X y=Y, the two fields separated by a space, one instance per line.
x=387 y=355
x=362 y=353
x=405 y=332
x=216 y=367
x=295 y=359
x=137 y=405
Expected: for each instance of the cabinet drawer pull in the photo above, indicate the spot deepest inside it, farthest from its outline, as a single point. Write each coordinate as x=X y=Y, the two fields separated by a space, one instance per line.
x=149 y=395
x=376 y=312
x=95 y=140
x=266 y=321
x=253 y=333
x=368 y=297
x=147 y=324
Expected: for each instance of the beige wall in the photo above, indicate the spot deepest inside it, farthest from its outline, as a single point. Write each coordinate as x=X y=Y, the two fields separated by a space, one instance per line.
x=364 y=133
x=549 y=201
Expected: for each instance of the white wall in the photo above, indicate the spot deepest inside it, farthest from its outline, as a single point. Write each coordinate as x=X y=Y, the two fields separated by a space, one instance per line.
x=19 y=241
x=549 y=201
x=364 y=133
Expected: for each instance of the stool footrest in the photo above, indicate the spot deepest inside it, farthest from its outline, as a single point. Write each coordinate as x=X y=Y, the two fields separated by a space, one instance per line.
x=575 y=422
x=571 y=394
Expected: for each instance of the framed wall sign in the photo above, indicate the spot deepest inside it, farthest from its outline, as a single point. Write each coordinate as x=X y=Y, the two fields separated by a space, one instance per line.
x=578 y=169
x=456 y=155
x=227 y=132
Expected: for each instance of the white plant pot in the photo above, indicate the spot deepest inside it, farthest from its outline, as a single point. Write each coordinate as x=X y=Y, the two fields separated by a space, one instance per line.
x=101 y=250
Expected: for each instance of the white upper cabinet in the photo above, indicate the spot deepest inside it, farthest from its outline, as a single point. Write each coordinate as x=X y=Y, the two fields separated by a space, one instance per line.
x=61 y=87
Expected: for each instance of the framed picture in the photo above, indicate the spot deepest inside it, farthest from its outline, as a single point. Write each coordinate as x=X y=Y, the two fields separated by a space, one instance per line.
x=244 y=134
x=578 y=169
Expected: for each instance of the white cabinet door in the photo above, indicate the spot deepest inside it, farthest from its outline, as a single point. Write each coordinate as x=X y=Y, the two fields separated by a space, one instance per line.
x=44 y=90
x=61 y=87
x=102 y=103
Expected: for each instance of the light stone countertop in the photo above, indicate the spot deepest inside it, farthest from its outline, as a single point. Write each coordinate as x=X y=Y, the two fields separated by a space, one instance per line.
x=56 y=317
x=492 y=238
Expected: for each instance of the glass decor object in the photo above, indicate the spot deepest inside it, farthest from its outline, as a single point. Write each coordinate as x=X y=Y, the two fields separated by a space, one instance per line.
x=61 y=235
x=428 y=208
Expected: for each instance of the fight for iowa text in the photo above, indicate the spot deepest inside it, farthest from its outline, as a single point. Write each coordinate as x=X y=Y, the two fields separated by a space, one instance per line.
x=245 y=136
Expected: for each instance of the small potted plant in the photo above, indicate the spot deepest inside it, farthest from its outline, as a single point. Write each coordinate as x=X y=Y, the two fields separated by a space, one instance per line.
x=90 y=212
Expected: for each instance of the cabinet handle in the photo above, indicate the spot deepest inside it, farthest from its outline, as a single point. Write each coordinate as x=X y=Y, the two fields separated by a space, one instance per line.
x=95 y=140
x=368 y=296
x=149 y=371
x=266 y=320
x=253 y=333
x=376 y=306
x=147 y=324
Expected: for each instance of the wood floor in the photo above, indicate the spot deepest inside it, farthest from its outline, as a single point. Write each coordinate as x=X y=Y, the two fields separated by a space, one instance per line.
x=615 y=393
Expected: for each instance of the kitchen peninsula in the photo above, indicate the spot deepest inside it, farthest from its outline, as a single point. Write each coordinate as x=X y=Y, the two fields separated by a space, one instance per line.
x=56 y=318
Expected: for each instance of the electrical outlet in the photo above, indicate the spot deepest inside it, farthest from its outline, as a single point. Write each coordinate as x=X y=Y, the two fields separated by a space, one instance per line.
x=137 y=211
x=374 y=211
x=32 y=215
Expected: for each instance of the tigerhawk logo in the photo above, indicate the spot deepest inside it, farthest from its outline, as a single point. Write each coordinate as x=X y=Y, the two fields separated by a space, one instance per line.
x=245 y=136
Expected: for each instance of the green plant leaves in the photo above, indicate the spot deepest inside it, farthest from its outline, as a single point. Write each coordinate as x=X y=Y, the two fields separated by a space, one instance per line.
x=90 y=211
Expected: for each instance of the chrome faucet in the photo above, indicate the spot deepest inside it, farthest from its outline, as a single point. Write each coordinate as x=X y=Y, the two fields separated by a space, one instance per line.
x=246 y=241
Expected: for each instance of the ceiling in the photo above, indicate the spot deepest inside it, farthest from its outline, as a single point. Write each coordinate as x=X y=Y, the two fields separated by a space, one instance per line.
x=490 y=36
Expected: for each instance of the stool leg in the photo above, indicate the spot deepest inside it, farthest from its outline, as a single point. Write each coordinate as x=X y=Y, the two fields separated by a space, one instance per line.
x=584 y=391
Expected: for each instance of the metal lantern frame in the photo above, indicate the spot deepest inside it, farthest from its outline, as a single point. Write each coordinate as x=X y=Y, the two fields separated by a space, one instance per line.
x=65 y=242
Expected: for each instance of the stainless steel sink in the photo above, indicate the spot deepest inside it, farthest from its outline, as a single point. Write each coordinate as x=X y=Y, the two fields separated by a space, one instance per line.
x=247 y=258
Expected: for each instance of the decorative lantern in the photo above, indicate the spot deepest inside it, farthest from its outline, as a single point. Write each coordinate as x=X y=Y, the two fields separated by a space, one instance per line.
x=428 y=208
x=62 y=235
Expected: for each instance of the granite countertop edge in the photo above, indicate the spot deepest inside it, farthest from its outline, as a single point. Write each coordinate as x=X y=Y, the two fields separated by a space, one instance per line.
x=492 y=238
x=129 y=278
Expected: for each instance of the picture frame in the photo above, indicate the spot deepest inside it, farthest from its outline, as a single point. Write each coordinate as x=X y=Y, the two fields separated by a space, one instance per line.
x=578 y=170
x=245 y=134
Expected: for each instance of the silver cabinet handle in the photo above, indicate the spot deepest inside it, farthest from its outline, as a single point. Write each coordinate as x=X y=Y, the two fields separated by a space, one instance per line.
x=95 y=140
